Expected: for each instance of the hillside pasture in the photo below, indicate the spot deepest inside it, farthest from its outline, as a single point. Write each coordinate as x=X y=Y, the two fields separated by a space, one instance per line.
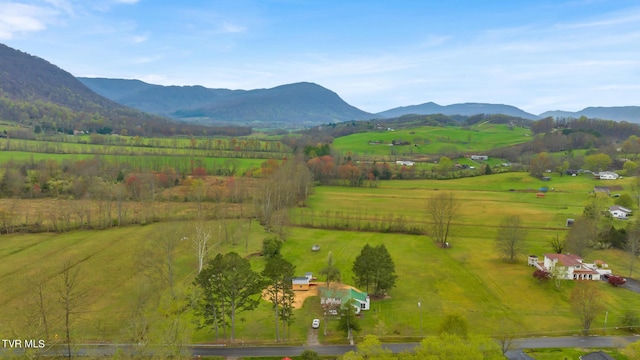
x=429 y=140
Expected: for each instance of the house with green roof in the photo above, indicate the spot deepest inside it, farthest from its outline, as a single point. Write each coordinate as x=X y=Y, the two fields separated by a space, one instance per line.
x=335 y=298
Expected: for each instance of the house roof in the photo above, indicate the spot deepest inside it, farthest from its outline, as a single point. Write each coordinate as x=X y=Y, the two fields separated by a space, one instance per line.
x=300 y=280
x=619 y=208
x=344 y=294
x=565 y=259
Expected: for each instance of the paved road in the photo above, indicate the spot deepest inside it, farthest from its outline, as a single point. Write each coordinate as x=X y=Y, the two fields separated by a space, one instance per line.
x=248 y=351
x=633 y=285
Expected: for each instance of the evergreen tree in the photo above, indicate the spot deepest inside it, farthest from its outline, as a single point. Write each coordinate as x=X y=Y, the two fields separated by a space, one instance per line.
x=278 y=273
x=228 y=285
x=374 y=269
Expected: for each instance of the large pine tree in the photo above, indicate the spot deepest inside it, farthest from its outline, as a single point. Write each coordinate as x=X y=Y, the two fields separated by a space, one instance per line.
x=374 y=270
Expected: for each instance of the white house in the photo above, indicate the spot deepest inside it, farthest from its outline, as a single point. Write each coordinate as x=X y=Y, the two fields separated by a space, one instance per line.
x=479 y=157
x=570 y=267
x=607 y=175
x=335 y=298
x=405 y=163
x=619 y=212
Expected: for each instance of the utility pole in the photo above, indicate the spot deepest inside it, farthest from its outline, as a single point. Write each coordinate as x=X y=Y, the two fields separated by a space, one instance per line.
x=420 y=311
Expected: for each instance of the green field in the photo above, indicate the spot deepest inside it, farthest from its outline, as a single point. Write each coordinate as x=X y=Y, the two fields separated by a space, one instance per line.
x=182 y=164
x=429 y=140
x=468 y=279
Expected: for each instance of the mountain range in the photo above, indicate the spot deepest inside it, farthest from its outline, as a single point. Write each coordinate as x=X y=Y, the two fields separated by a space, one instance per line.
x=299 y=104
x=34 y=91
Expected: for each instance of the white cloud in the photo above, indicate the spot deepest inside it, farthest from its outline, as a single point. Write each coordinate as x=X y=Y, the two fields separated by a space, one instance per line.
x=127 y=1
x=138 y=39
x=229 y=28
x=16 y=18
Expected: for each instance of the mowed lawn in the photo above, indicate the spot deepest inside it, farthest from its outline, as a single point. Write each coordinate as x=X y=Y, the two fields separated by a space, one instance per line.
x=432 y=139
x=468 y=279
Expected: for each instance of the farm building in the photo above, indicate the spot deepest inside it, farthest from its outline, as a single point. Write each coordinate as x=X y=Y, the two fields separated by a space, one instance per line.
x=301 y=282
x=619 y=212
x=602 y=189
x=405 y=163
x=606 y=175
x=570 y=267
x=479 y=157
x=334 y=298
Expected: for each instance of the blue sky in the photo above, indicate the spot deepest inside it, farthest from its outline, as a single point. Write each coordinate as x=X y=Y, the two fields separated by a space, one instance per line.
x=537 y=55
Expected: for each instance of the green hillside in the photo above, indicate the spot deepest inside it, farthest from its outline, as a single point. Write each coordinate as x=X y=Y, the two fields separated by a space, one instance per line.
x=430 y=140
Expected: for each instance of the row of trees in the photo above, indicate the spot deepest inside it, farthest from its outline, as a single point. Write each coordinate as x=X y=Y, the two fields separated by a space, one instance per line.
x=543 y=162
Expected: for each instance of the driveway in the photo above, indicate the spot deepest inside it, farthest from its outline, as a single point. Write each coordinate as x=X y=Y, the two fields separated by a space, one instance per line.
x=633 y=285
x=312 y=338
x=517 y=355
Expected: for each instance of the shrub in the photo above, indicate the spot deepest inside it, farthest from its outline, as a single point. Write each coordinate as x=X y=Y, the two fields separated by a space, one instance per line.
x=541 y=274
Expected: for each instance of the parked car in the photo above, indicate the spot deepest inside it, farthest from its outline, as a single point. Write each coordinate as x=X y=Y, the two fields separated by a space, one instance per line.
x=315 y=324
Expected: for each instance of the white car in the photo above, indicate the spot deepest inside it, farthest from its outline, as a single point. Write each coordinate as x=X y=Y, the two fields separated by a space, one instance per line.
x=315 y=324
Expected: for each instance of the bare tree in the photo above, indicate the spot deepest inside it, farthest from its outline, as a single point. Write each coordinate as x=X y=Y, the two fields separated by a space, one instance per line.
x=581 y=236
x=510 y=238
x=72 y=297
x=200 y=241
x=633 y=245
x=557 y=245
x=331 y=271
x=586 y=302
x=158 y=259
x=441 y=211
x=38 y=315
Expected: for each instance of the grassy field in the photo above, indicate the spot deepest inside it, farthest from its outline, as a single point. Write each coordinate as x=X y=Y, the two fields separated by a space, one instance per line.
x=183 y=163
x=112 y=270
x=432 y=140
x=467 y=279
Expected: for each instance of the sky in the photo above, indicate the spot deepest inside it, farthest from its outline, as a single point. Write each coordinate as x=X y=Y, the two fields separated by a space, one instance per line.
x=537 y=55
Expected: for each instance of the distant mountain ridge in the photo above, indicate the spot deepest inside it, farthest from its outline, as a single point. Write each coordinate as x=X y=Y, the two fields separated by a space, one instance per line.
x=617 y=113
x=36 y=93
x=467 y=109
x=299 y=104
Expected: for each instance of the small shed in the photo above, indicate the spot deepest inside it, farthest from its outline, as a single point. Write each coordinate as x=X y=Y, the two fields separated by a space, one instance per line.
x=301 y=283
